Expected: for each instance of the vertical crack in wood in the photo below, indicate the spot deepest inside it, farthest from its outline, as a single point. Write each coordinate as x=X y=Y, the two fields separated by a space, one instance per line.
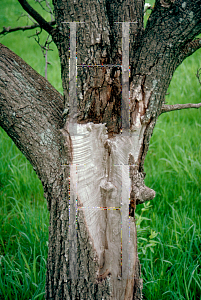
x=72 y=82
x=72 y=233
x=125 y=79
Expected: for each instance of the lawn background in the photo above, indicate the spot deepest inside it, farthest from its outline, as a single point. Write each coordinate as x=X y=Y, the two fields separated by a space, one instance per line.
x=168 y=228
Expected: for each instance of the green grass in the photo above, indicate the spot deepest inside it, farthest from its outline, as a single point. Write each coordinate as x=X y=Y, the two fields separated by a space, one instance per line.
x=23 y=211
x=24 y=226
x=173 y=167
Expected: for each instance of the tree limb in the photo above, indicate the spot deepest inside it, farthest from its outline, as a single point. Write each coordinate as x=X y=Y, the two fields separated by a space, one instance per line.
x=168 y=32
x=23 y=28
x=34 y=14
x=167 y=108
x=189 y=49
x=30 y=113
x=173 y=30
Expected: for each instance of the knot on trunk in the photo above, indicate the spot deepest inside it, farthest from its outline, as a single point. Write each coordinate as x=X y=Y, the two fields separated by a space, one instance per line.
x=139 y=191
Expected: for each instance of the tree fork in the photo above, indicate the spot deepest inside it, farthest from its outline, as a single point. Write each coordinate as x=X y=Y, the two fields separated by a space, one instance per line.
x=99 y=98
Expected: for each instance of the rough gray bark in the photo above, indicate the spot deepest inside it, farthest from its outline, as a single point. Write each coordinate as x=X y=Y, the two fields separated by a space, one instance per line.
x=37 y=119
x=28 y=115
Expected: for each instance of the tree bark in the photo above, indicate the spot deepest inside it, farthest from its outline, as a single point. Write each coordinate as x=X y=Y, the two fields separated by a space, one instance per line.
x=94 y=179
x=31 y=114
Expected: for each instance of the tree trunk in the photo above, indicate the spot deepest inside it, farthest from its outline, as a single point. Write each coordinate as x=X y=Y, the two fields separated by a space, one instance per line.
x=90 y=159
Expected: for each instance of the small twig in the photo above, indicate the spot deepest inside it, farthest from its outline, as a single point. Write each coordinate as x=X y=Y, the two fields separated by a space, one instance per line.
x=49 y=10
x=167 y=108
x=23 y=28
x=28 y=17
x=36 y=34
x=44 y=48
x=198 y=75
x=34 y=14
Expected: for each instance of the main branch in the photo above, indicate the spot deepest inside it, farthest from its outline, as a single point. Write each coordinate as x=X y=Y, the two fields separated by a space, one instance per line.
x=30 y=113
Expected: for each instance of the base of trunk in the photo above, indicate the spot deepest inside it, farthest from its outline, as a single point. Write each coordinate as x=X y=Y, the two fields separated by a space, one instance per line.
x=93 y=240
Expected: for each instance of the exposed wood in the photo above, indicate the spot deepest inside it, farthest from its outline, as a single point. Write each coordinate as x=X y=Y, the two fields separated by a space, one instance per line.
x=102 y=184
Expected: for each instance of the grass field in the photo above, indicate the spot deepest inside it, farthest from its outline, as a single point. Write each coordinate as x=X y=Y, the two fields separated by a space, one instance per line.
x=169 y=228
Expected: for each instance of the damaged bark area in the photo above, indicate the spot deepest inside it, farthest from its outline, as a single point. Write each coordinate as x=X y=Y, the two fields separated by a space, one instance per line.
x=109 y=183
x=100 y=98
x=139 y=191
x=103 y=185
x=100 y=177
